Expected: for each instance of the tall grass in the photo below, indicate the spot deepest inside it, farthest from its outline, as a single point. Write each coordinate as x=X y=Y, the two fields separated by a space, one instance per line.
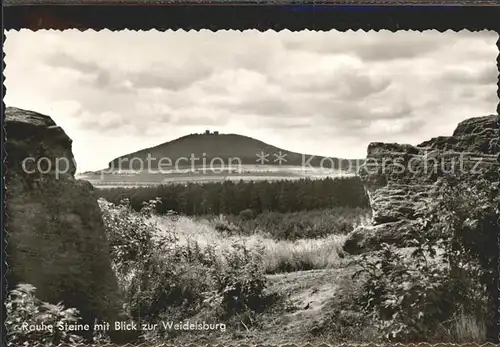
x=467 y=328
x=306 y=254
x=463 y=328
x=299 y=225
x=278 y=255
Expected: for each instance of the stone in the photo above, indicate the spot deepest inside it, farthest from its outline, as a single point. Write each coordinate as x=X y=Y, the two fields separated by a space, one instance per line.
x=370 y=237
x=54 y=228
x=399 y=178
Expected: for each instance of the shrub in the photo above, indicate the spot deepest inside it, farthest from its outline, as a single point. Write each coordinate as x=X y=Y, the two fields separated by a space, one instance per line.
x=49 y=319
x=239 y=284
x=246 y=214
x=130 y=234
x=163 y=278
x=418 y=293
x=223 y=225
x=162 y=286
x=405 y=295
x=153 y=275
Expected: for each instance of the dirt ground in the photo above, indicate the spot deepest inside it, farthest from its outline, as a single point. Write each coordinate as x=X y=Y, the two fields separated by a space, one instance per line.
x=307 y=298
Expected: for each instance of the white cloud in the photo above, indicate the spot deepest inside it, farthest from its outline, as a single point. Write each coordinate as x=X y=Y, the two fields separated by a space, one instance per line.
x=326 y=93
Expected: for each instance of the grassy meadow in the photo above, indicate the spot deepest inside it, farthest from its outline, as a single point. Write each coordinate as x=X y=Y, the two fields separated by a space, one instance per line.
x=279 y=253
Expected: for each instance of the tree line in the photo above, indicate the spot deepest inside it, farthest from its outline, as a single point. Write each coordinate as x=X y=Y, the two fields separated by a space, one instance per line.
x=230 y=197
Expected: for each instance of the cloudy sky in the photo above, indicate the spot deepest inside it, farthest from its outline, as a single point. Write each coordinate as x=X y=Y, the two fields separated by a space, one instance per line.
x=324 y=93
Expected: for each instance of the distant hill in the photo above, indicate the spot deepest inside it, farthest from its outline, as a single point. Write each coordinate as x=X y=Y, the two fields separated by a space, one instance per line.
x=223 y=149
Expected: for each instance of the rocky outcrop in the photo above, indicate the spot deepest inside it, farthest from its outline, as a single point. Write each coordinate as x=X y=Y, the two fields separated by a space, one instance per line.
x=399 y=178
x=55 y=233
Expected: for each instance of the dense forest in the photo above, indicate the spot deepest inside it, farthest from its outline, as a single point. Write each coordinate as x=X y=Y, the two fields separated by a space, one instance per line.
x=230 y=197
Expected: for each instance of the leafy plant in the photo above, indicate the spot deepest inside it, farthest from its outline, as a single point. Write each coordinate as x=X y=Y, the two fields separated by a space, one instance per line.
x=416 y=293
x=31 y=321
x=239 y=284
x=246 y=214
x=223 y=225
x=131 y=235
x=164 y=278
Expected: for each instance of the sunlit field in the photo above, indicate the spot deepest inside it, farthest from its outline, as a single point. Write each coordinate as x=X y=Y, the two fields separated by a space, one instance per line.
x=278 y=256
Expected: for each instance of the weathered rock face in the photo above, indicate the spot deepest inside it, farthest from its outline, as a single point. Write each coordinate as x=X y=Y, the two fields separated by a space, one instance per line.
x=55 y=234
x=399 y=178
